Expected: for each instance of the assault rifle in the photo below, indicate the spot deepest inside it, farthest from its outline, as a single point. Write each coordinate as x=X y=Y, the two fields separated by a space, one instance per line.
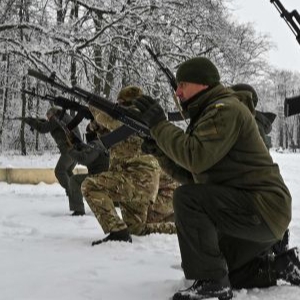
x=291 y=18
x=172 y=116
x=164 y=69
x=23 y=118
x=291 y=105
x=83 y=112
x=116 y=111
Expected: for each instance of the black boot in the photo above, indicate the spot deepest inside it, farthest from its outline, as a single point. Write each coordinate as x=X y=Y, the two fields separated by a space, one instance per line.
x=118 y=236
x=257 y=273
x=203 y=289
x=287 y=266
x=282 y=245
x=77 y=213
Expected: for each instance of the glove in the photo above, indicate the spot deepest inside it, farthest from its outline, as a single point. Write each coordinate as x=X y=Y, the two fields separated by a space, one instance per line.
x=149 y=146
x=151 y=112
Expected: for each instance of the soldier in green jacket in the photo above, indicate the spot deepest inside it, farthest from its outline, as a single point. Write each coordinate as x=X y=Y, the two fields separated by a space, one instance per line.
x=233 y=204
x=66 y=164
x=264 y=122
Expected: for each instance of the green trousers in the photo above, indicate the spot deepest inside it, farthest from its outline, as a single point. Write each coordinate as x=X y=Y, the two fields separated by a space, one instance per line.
x=219 y=230
x=64 y=170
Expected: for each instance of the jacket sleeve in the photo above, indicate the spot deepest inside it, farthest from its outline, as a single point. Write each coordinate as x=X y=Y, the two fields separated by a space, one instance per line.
x=41 y=126
x=207 y=142
x=178 y=173
x=87 y=153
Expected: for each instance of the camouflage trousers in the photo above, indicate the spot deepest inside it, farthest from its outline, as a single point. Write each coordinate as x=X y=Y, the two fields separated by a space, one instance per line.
x=134 y=185
x=160 y=217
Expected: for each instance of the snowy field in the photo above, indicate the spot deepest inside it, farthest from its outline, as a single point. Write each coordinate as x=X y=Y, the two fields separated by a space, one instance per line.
x=45 y=254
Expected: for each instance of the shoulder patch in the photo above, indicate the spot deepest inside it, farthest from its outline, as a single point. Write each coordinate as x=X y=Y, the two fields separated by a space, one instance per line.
x=218 y=105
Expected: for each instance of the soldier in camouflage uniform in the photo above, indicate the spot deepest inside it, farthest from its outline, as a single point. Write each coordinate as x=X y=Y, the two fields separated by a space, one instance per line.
x=65 y=165
x=133 y=182
x=232 y=204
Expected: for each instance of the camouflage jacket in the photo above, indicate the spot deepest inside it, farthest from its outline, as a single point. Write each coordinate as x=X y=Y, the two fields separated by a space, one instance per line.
x=127 y=151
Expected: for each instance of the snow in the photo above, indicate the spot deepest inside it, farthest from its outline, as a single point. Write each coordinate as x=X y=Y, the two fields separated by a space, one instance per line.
x=45 y=254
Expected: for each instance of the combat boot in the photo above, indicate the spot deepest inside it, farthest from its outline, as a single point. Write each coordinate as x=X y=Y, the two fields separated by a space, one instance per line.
x=283 y=245
x=77 y=213
x=204 y=289
x=257 y=273
x=118 y=236
x=287 y=266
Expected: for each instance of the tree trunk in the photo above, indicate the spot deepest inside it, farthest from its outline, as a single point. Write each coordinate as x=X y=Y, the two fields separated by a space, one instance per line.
x=5 y=97
x=22 y=131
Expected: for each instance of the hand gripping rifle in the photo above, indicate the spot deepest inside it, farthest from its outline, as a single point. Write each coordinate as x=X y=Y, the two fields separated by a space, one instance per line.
x=116 y=111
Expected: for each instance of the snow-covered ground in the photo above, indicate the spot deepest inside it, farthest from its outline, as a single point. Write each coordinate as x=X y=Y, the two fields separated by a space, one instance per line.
x=45 y=254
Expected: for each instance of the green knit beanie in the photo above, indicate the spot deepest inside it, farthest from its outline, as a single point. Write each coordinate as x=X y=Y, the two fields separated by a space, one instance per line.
x=198 y=70
x=246 y=87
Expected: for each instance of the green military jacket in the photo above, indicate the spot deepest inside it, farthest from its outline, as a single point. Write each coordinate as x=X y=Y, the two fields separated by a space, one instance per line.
x=222 y=146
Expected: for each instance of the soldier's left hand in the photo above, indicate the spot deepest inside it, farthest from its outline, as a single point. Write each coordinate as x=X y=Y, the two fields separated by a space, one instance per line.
x=151 y=112
x=149 y=146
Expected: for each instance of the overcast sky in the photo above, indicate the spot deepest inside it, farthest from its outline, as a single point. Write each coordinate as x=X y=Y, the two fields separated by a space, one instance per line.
x=266 y=19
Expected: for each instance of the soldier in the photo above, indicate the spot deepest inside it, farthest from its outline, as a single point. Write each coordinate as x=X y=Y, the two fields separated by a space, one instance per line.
x=233 y=204
x=65 y=165
x=264 y=122
x=93 y=155
x=133 y=182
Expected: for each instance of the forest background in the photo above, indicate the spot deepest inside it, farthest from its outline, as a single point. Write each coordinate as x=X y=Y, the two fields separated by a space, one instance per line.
x=100 y=46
